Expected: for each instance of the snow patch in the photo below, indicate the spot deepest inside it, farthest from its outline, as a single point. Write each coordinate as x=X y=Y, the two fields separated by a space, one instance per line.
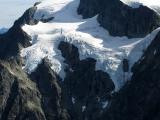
x=155 y=52
x=132 y=3
x=83 y=108
x=73 y=100
x=137 y=3
x=104 y=104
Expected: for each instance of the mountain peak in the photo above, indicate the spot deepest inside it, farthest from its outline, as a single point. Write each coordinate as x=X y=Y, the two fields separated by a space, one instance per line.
x=81 y=60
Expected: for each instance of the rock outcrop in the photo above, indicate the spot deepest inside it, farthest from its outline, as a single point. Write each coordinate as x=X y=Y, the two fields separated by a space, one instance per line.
x=12 y=41
x=48 y=84
x=120 y=19
x=85 y=89
x=19 y=96
x=89 y=8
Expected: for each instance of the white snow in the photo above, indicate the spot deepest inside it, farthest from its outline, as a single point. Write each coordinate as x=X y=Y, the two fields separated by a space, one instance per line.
x=104 y=104
x=132 y=3
x=83 y=108
x=155 y=52
x=137 y=3
x=86 y=34
x=73 y=100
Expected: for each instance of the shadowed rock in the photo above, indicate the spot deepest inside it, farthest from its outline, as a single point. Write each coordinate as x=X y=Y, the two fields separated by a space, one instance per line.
x=47 y=83
x=120 y=19
x=12 y=41
x=84 y=87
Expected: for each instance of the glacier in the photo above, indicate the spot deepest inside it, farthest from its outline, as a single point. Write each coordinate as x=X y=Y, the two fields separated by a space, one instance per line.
x=86 y=34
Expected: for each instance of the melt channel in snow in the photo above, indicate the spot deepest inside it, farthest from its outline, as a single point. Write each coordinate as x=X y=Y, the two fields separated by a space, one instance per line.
x=86 y=34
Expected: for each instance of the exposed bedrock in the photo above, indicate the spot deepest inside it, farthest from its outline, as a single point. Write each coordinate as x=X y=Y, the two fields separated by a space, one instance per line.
x=120 y=19
x=47 y=82
x=89 y=8
x=15 y=39
x=84 y=88
x=19 y=97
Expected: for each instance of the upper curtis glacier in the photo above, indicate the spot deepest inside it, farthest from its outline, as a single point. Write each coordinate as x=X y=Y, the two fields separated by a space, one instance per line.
x=86 y=34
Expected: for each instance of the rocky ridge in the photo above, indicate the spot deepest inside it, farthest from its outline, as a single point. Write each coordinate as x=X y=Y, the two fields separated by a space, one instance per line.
x=120 y=19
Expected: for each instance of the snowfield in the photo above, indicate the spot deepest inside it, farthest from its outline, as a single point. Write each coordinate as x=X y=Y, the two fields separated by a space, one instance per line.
x=86 y=34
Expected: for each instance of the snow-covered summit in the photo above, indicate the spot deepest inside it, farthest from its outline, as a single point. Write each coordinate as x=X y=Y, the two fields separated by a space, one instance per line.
x=86 y=34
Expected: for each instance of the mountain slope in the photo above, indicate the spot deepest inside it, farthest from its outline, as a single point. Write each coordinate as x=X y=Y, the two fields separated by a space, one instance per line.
x=56 y=65
x=92 y=41
x=139 y=98
x=120 y=19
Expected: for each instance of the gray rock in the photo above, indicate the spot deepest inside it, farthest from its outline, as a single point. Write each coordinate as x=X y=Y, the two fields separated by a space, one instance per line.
x=83 y=83
x=120 y=19
x=47 y=83
x=19 y=97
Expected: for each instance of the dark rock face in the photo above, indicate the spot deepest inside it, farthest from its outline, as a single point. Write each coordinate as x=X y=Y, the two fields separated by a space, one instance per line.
x=139 y=99
x=19 y=98
x=45 y=20
x=89 y=8
x=125 y=21
x=11 y=44
x=47 y=83
x=27 y=17
x=157 y=9
x=12 y=41
x=84 y=88
x=120 y=19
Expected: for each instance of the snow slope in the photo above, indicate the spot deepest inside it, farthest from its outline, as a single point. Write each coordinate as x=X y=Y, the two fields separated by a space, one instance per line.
x=86 y=34
x=137 y=3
